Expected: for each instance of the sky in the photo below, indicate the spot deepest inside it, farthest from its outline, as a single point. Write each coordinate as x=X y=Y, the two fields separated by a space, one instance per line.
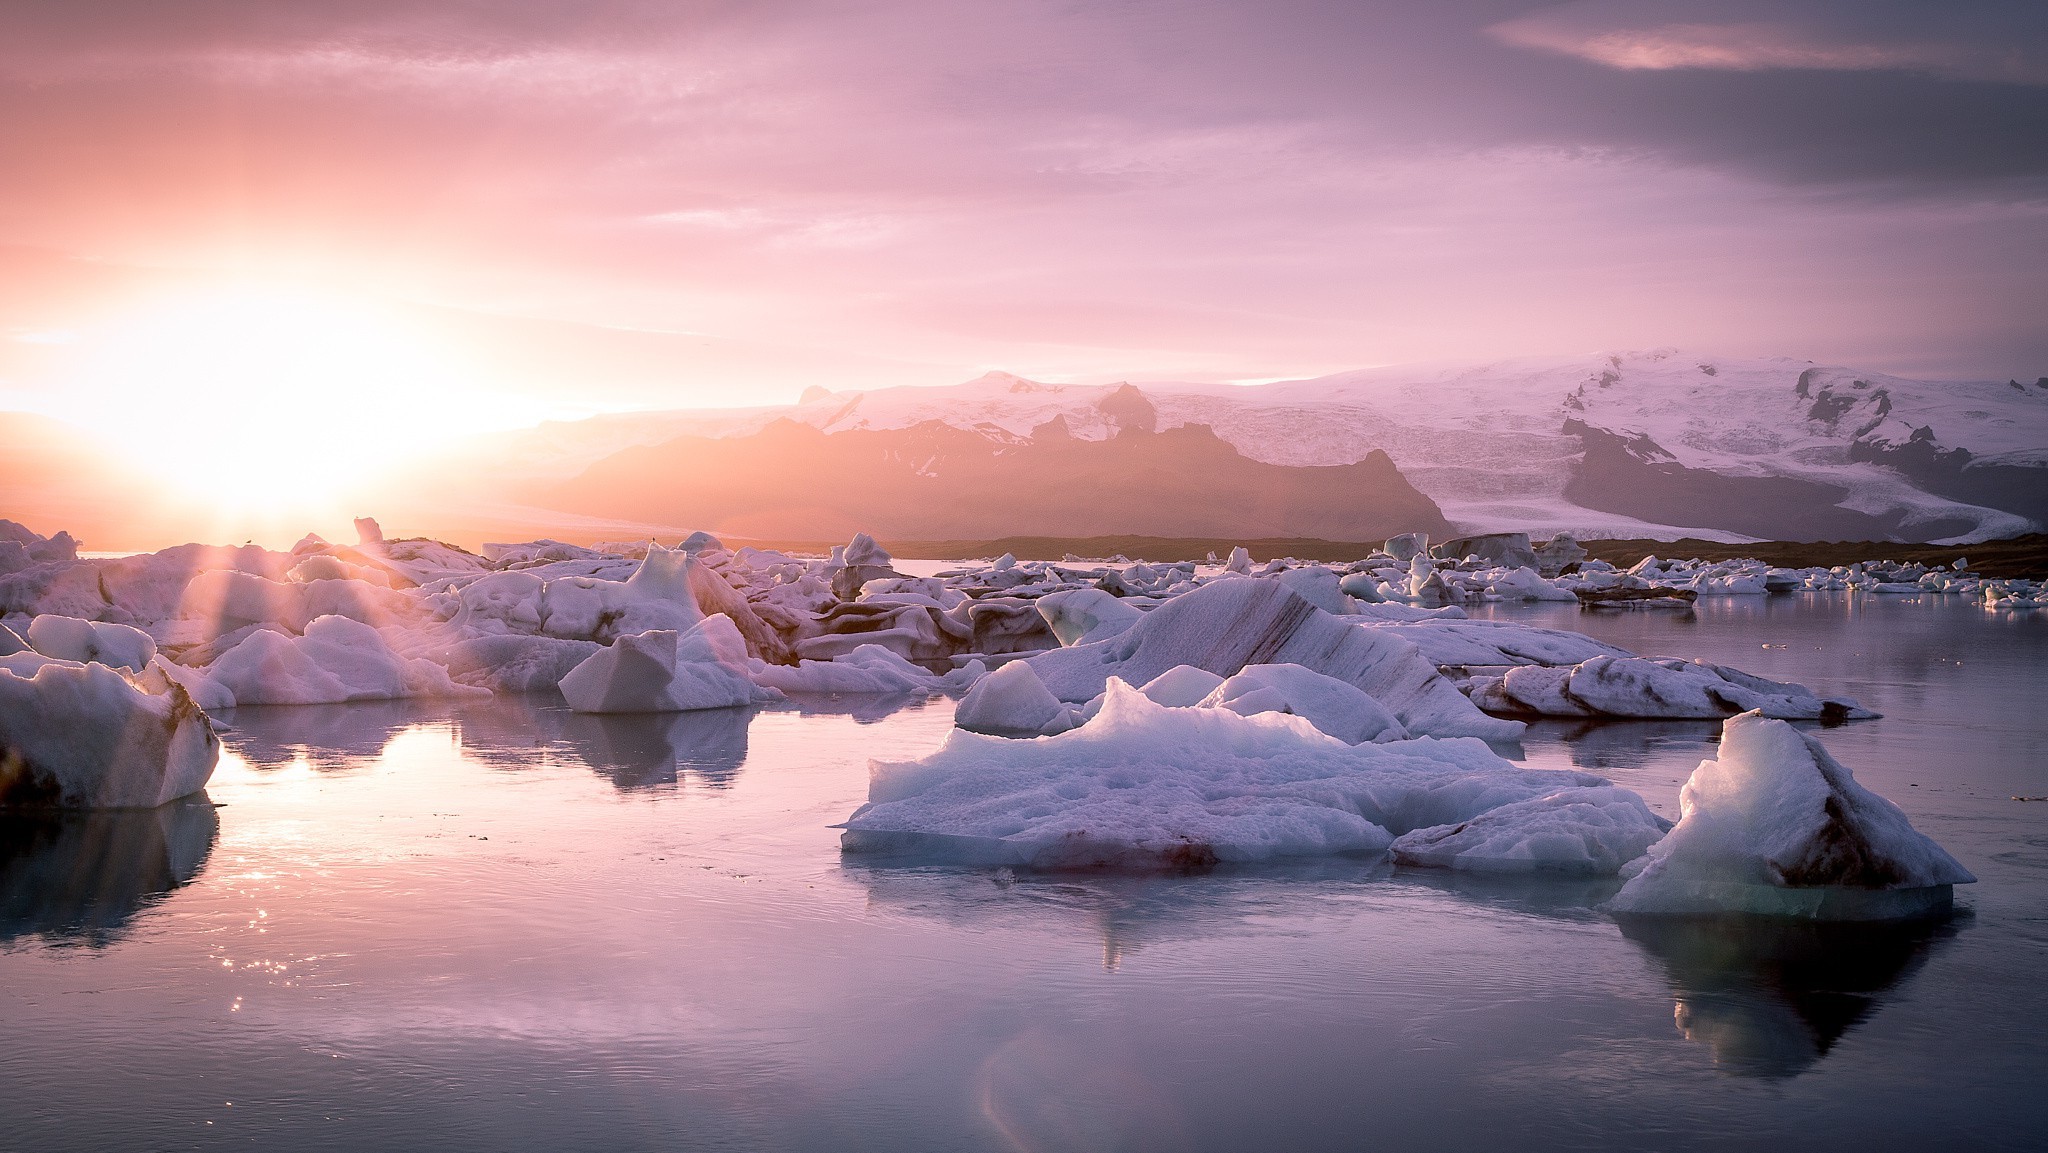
x=499 y=210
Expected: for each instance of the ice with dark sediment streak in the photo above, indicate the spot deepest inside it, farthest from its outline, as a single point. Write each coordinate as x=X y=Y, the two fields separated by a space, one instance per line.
x=1229 y=624
x=1643 y=687
x=1148 y=785
x=1776 y=826
x=84 y=735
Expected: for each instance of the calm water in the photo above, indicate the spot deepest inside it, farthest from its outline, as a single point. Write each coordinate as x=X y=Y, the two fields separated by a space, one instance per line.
x=507 y=927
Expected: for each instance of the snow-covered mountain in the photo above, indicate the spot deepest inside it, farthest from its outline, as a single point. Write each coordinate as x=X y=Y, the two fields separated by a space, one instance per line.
x=1657 y=443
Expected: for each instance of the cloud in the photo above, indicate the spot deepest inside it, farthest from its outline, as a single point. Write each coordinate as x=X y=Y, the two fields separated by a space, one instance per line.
x=1219 y=187
x=2000 y=43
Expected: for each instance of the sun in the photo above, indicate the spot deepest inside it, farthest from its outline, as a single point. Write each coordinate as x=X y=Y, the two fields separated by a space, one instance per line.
x=268 y=399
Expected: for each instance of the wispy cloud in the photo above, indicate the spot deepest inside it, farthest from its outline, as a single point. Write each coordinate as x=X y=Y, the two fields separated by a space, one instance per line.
x=1940 y=42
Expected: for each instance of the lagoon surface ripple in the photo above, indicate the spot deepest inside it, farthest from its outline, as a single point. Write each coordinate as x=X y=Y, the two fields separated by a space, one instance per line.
x=505 y=926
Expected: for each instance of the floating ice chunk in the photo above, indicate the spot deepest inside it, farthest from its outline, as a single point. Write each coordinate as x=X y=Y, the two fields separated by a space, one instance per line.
x=1145 y=785
x=1182 y=686
x=1331 y=705
x=1078 y=616
x=868 y=669
x=1485 y=642
x=1406 y=546
x=85 y=736
x=337 y=660
x=1527 y=585
x=512 y=663
x=1316 y=585
x=1586 y=831
x=1776 y=826
x=1240 y=561
x=71 y=639
x=1361 y=586
x=664 y=671
x=1641 y=687
x=1228 y=624
x=1013 y=702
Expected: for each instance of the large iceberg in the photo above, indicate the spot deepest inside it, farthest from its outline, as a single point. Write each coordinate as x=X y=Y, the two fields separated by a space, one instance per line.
x=79 y=735
x=1224 y=626
x=1778 y=827
x=1148 y=785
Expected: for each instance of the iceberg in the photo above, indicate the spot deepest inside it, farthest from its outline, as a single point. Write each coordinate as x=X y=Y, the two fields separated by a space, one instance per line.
x=1584 y=831
x=1625 y=686
x=76 y=735
x=1776 y=826
x=664 y=671
x=1331 y=705
x=1079 y=616
x=71 y=639
x=336 y=660
x=1229 y=624
x=1013 y=702
x=1144 y=785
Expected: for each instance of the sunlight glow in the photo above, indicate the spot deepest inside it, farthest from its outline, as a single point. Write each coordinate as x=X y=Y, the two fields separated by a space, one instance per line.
x=264 y=399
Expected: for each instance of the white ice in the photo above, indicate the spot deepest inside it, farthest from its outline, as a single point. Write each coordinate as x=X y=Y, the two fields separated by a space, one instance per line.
x=1777 y=826
x=1586 y=830
x=1147 y=785
x=1332 y=706
x=1226 y=625
x=662 y=671
x=85 y=736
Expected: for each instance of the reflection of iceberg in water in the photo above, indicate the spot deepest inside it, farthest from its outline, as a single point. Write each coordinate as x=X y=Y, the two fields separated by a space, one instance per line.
x=864 y=708
x=639 y=750
x=1128 y=912
x=1771 y=997
x=83 y=876
x=329 y=737
x=1623 y=744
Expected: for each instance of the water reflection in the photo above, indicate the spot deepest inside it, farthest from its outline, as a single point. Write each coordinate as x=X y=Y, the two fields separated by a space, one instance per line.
x=1595 y=745
x=1771 y=998
x=864 y=708
x=643 y=750
x=82 y=878
x=330 y=738
x=1127 y=912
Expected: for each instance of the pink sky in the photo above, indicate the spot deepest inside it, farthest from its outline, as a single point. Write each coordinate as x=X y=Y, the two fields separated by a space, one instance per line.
x=859 y=194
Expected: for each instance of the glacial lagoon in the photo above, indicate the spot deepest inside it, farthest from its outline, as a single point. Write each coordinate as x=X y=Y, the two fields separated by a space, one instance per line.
x=501 y=925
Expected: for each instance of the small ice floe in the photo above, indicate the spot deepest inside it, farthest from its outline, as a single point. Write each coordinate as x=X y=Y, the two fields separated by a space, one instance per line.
x=1642 y=687
x=1013 y=702
x=1776 y=826
x=871 y=670
x=665 y=671
x=86 y=735
x=1146 y=785
x=1590 y=831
